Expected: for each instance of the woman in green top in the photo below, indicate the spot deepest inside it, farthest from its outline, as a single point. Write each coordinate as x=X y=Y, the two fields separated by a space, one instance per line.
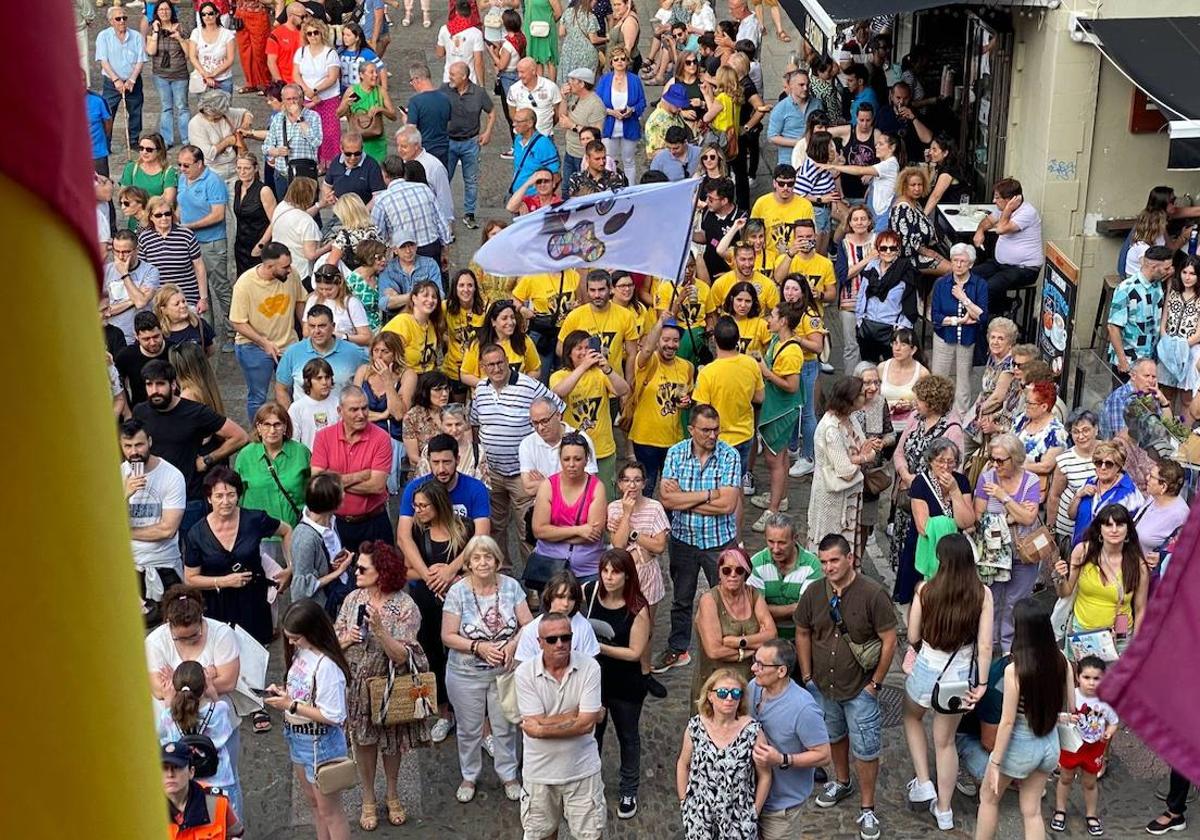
x=541 y=34
x=366 y=104
x=274 y=468
x=150 y=171
x=782 y=398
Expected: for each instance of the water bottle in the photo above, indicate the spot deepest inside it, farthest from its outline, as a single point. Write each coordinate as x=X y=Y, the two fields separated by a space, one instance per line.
x=1192 y=242
x=963 y=201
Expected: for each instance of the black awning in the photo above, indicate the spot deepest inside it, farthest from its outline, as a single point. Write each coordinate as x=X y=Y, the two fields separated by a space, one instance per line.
x=1159 y=55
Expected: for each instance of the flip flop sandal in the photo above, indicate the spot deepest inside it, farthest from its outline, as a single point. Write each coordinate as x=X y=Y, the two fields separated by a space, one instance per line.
x=261 y=722
x=407 y=21
x=1058 y=822
x=1095 y=826
x=783 y=36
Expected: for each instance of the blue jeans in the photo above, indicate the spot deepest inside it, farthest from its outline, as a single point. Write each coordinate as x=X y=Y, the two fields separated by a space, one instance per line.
x=466 y=151
x=808 y=415
x=174 y=96
x=259 y=370
x=133 y=102
x=570 y=166
x=687 y=562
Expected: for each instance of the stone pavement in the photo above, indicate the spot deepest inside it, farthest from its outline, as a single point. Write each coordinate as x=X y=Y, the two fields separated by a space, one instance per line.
x=429 y=777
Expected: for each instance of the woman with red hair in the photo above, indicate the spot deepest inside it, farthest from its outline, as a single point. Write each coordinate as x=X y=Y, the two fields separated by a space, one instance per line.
x=377 y=628
x=1043 y=434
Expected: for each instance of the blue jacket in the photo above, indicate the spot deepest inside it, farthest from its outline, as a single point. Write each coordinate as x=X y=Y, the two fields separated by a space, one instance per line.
x=945 y=306
x=637 y=101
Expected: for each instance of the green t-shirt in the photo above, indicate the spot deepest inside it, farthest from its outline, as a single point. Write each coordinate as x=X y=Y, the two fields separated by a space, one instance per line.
x=133 y=176
x=263 y=492
x=783 y=590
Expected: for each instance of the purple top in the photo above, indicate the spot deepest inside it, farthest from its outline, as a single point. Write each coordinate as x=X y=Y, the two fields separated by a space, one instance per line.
x=1156 y=523
x=1028 y=491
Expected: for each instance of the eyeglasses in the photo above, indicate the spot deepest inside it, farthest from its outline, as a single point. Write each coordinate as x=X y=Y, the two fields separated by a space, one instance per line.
x=562 y=639
x=712 y=431
x=495 y=365
x=271 y=425
x=165 y=215
x=190 y=637
x=733 y=571
x=1104 y=462
x=362 y=570
x=1154 y=477
x=758 y=663
x=634 y=479
x=728 y=693
x=537 y=424
x=887 y=249
x=312 y=32
x=352 y=154
x=996 y=460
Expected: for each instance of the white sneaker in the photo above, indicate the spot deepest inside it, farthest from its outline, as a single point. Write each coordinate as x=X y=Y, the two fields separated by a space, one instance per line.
x=760 y=524
x=801 y=468
x=921 y=793
x=763 y=501
x=748 y=488
x=440 y=730
x=945 y=819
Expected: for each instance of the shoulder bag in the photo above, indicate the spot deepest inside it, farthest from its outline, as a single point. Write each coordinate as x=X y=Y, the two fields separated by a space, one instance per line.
x=337 y=774
x=866 y=654
x=274 y=475
x=603 y=630
x=533 y=141
x=409 y=699
x=205 y=756
x=1038 y=546
x=298 y=167
x=539 y=568
x=506 y=687
x=546 y=326
x=950 y=698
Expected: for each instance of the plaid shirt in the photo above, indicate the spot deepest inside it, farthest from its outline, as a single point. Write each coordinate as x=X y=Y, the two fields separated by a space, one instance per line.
x=1137 y=309
x=703 y=530
x=408 y=206
x=1112 y=412
x=303 y=142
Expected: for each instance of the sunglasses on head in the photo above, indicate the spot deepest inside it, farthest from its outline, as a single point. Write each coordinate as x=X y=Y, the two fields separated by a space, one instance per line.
x=728 y=693
x=733 y=571
x=562 y=638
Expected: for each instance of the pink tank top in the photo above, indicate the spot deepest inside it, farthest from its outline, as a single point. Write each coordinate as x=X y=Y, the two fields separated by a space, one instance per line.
x=584 y=558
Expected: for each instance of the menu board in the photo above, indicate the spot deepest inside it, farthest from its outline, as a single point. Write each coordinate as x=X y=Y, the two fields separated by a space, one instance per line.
x=1056 y=320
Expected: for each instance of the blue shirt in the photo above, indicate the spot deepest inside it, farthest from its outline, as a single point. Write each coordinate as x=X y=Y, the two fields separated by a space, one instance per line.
x=789 y=119
x=396 y=278
x=543 y=154
x=364 y=179
x=469 y=497
x=430 y=113
x=367 y=21
x=97 y=113
x=945 y=305
x=196 y=200
x=793 y=723
x=351 y=59
x=890 y=310
x=673 y=167
x=1136 y=309
x=867 y=94
x=721 y=469
x=345 y=358
x=122 y=56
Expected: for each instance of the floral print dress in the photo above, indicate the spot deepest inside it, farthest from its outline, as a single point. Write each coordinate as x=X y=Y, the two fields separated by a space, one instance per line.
x=719 y=803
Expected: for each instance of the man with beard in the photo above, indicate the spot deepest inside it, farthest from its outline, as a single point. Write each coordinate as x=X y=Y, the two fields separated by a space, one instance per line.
x=130 y=362
x=744 y=271
x=662 y=389
x=615 y=326
x=156 y=495
x=176 y=429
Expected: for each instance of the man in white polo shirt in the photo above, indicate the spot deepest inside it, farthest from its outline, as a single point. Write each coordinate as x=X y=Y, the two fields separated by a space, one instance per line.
x=538 y=452
x=558 y=694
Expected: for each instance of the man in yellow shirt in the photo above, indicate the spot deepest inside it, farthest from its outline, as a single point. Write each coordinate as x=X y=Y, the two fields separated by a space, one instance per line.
x=661 y=393
x=615 y=326
x=732 y=384
x=744 y=271
x=780 y=210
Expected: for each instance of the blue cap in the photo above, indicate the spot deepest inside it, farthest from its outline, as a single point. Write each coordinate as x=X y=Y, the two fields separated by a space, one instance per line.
x=177 y=754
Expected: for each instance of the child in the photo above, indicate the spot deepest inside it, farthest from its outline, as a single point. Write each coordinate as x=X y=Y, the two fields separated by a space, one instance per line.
x=1097 y=724
x=192 y=712
x=317 y=407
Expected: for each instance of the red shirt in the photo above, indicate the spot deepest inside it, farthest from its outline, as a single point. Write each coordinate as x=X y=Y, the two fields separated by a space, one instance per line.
x=283 y=42
x=372 y=451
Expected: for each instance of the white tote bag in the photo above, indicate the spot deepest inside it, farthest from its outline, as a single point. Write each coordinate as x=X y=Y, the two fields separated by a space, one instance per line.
x=252 y=675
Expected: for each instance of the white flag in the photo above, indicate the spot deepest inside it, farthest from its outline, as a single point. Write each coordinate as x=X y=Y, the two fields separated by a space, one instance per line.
x=645 y=228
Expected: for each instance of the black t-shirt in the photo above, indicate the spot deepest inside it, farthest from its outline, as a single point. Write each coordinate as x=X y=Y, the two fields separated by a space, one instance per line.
x=991 y=705
x=129 y=363
x=858 y=153
x=114 y=340
x=202 y=335
x=715 y=227
x=176 y=436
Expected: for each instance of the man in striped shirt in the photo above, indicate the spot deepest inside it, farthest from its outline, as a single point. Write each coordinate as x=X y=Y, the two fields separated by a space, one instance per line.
x=409 y=207
x=500 y=414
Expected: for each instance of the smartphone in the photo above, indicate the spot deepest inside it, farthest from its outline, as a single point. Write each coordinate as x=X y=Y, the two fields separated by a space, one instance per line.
x=353 y=97
x=594 y=344
x=137 y=468
x=361 y=621
x=260 y=692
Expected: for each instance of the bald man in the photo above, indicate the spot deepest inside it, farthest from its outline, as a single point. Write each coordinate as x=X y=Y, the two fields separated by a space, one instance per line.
x=533 y=90
x=284 y=41
x=532 y=150
x=468 y=103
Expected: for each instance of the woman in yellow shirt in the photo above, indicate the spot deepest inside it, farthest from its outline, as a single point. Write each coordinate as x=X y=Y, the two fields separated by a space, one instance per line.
x=782 y=398
x=625 y=294
x=587 y=383
x=464 y=316
x=742 y=303
x=422 y=332
x=724 y=110
x=493 y=287
x=810 y=332
x=501 y=326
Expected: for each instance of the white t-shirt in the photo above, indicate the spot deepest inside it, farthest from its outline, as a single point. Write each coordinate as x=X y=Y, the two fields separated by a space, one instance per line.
x=103 y=230
x=542 y=100
x=220 y=648
x=346 y=319
x=212 y=55
x=535 y=455
x=704 y=18
x=583 y=638
x=461 y=47
x=165 y=490
x=330 y=683
x=883 y=186
x=1135 y=255
x=309 y=416
x=293 y=227
x=509 y=50
x=312 y=69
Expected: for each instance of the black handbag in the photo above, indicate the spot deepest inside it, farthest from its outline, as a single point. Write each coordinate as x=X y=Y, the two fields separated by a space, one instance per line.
x=544 y=328
x=299 y=167
x=539 y=568
x=876 y=332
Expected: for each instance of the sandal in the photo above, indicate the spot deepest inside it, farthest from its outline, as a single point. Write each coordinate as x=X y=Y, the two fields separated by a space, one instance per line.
x=396 y=813
x=465 y=792
x=261 y=722
x=1095 y=826
x=783 y=36
x=1058 y=822
x=407 y=21
x=368 y=817
x=427 y=23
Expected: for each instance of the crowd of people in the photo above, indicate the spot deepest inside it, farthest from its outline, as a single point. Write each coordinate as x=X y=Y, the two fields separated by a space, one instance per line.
x=479 y=485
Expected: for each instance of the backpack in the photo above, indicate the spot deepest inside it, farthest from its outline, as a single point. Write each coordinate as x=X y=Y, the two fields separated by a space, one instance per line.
x=205 y=756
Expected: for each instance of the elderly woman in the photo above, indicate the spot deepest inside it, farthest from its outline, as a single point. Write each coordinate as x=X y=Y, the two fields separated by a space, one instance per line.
x=212 y=50
x=999 y=392
x=624 y=101
x=481 y=619
x=365 y=104
x=938 y=489
x=318 y=71
x=1007 y=497
x=1111 y=485
x=887 y=298
x=570 y=511
x=150 y=170
x=1041 y=432
x=959 y=306
x=1072 y=469
x=1164 y=512
x=876 y=422
x=935 y=418
x=222 y=556
x=253 y=206
x=721 y=789
x=842 y=451
x=174 y=251
x=907 y=217
x=214 y=130
x=732 y=621
x=377 y=628
x=274 y=468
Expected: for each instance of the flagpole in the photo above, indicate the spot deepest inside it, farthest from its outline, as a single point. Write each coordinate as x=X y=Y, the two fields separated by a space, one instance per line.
x=687 y=243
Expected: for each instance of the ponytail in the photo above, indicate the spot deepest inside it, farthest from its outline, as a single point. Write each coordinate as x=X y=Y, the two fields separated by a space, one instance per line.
x=190 y=684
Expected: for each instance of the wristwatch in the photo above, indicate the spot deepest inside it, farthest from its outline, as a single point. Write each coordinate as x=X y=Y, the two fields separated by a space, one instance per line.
x=875 y=685
x=633 y=536
x=786 y=763
x=292 y=708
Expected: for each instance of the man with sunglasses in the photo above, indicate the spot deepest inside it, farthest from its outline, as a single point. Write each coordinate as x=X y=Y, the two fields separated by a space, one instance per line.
x=354 y=171
x=797 y=741
x=720 y=214
x=845 y=640
x=558 y=694
x=121 y=52
x=780 y=210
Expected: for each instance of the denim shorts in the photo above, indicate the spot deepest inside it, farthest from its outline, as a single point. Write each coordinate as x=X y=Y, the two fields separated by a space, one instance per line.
x=309 y=751
x=1028 y=753
x=822 y=217
x=859 y=718
x=919 y=685
x=743 y=451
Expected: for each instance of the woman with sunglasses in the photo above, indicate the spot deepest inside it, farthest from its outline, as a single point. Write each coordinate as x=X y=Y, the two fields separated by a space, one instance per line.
x=150 y=170
x=732 y=620
x=1112 y=485
x=168 y=48
x=133 y=202
x=501 y=326
x=253 y=206
x=887 y=299
x=721 y=788
x=624 y=98
x=712 y=163
x=377 y=627
x=318 y=74
x=349 y=316
x=174 y=251
x=212 y=49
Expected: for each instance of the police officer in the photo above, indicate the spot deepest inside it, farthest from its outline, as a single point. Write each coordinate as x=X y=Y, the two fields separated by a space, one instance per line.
x=195 y=811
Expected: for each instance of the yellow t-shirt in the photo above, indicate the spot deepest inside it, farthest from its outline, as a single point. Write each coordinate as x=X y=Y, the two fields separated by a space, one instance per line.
x=779 y=219
x=588 y=408
x=730 y=113
x=789 y=360
x=643 y=321
x=267 y=305
x=420 y=343
x=658 y=388
x=615 y=326
x=810 y=322
x=729 y=385
x=460 y=334
x=816 y=269
x=692 y=314
x=754 y=335
x=541 y=291
x=529 y=362
x=764 y=286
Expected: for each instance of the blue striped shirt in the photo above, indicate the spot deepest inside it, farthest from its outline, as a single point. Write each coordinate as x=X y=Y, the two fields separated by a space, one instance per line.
x=502 y=418
x=721 y=469
x=813 y=180
x=302 y=141
x=409 y=207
